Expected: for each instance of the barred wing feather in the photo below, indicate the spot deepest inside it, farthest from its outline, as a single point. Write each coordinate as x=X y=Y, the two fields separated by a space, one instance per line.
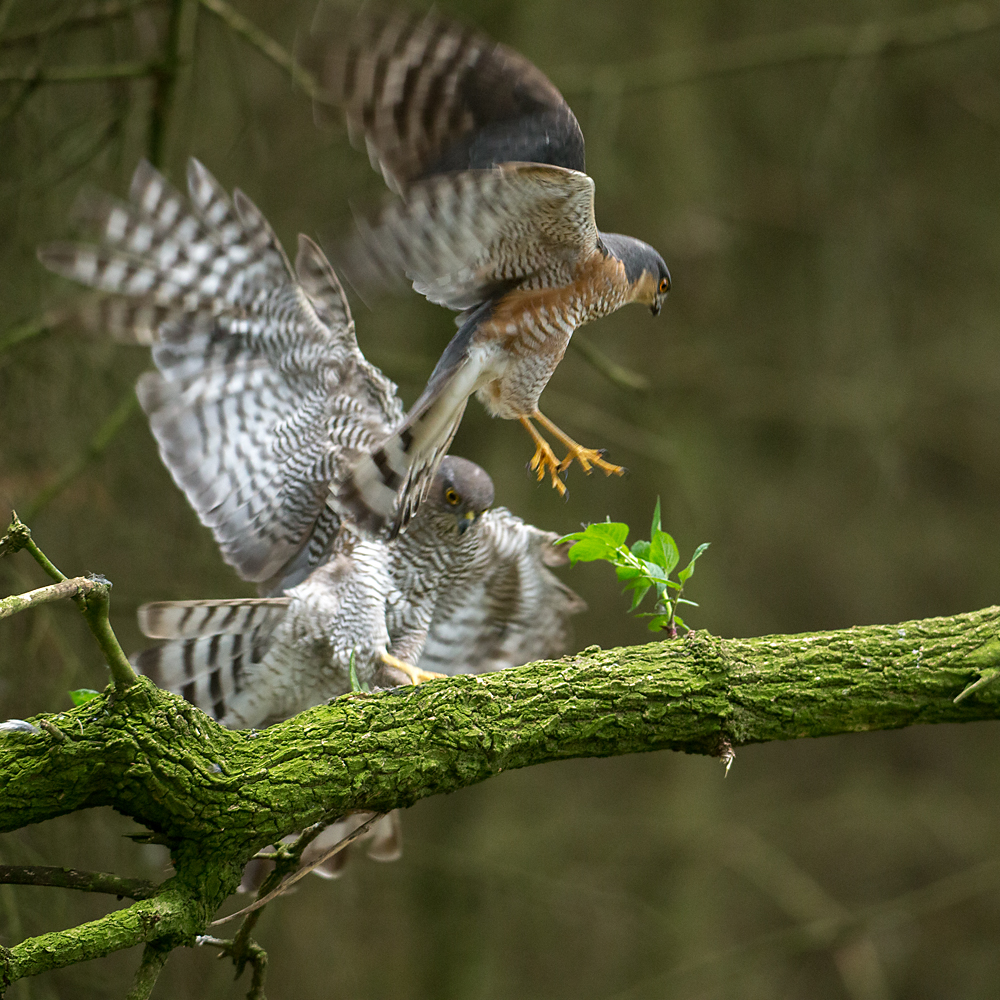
x=461 y=238
x=511 y=609
x=261 y=399
x=428 y=96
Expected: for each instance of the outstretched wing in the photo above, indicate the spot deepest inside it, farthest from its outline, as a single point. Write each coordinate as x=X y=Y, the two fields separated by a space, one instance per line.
x=509 y=609
x=464 y=238
x=428 y=96
x=262 y=399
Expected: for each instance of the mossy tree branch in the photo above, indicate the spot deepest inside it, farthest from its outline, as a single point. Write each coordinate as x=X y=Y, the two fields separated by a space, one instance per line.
x=215 y=796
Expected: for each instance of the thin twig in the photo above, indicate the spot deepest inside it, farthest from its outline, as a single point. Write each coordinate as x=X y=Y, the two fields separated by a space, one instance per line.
x=814 y=43
x=154 y=957
x=302 y=872
x=988 y=676
x=255 y=957
x=95 y=607
x=79 y=74
x=96 y=447
x=94 y=601
x=80 y=17
x=44 y=595
x=286 y=859
x=615 y=373
x=72 y=878
x=265 y=44
x=18 y=537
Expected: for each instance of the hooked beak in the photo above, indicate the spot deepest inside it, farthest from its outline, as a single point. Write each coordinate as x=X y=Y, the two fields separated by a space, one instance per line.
x=656 y=307
x=465 y=521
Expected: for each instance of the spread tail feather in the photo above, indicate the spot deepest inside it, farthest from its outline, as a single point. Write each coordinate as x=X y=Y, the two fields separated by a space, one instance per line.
x=212 y=645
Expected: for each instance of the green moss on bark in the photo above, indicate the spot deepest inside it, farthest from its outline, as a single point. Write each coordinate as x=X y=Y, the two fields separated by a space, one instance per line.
x=217 y=796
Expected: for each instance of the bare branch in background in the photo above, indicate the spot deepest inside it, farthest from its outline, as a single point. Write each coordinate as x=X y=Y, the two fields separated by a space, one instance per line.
x=810 y=44
x=83 y=16
x=38 y=75
x=181 y=30
x=29 y=329
x=265 y=44
x=615 y=373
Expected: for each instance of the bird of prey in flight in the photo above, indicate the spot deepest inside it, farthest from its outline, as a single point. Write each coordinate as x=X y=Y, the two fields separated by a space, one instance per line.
x=494 y=219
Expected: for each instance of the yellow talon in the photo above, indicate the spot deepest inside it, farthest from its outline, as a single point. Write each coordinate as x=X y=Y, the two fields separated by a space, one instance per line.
x=587 y=457
x=544 y=460
x=416 y=675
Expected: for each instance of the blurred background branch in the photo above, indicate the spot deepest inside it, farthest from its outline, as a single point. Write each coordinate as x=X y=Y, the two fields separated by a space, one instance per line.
x=817 y=42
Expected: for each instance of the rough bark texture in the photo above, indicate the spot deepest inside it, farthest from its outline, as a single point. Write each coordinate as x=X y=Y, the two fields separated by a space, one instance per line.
x=215 y=796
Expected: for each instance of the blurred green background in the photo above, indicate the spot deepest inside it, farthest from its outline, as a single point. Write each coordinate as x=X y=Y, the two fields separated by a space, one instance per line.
x=824 y=408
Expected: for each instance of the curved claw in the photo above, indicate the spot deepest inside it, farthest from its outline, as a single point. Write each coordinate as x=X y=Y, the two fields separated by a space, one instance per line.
x=588 y=458
x=544 y=460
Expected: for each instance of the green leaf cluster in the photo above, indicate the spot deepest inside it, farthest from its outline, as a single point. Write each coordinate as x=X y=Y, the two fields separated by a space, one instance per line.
x=645 y=567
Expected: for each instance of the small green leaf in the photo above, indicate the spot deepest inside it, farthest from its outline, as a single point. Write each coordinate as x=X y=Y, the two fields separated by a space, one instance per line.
x=356 y=685
x=646 y=566
x=626 y=572
x=659 y=622
x=655 y=526
x=685 y=574
x=640 y=589
x=613 y=532
x=598 y=541
x=641 y=549
x=82 y=695
x=663 y=550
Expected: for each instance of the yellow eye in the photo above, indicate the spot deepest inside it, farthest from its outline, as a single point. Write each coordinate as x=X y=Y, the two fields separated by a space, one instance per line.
x=664 y=286
x=451 y=496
